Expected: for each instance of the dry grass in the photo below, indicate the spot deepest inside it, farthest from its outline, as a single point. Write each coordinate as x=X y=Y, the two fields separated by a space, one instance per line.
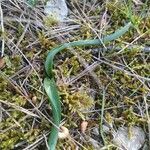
x=116 y=76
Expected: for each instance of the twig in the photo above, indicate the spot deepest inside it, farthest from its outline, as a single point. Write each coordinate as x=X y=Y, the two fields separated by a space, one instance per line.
x=117 y=48
x=2 y=29
x=1 y=114
x=19 y=108
x=85 y=65
x=84 y=72
x=132 y=42
x=148 y=117
x=39 y=140
x=10 y=116
x=102 y=115
x=22 y=36
x=123 y=70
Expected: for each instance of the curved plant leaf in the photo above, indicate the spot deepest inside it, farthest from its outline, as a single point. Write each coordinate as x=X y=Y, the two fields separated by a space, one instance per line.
x=49 y=82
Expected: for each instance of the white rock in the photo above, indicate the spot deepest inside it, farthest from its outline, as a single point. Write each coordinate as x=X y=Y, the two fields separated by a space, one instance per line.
x=57 y=9
x=94 y=143
x=123 y=141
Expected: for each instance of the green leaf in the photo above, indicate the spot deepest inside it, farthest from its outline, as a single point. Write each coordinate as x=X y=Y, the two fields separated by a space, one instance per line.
x=32 y=3
x=49 y=82
x=52 y=92
x=106 y=39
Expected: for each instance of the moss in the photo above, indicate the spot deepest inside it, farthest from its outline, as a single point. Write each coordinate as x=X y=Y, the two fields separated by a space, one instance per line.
x=77 y=101
x=131 y=119
x=50 y=21
x=31 y=135
x=12 y=123
x=10 y=138
x=45 y=42
x=70 y=66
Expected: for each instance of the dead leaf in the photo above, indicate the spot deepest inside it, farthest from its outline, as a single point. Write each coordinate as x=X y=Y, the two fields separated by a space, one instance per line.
x=2 y=63
x=84 y=125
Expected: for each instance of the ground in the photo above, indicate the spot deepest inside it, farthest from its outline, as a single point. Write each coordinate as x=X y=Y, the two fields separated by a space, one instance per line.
x=106 y=86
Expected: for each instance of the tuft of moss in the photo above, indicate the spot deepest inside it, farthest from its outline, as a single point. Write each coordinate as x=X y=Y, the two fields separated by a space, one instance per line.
x=76 y=101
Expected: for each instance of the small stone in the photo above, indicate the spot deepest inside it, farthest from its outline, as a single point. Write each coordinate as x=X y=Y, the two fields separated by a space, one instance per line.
x=56 y=9
x=64 y=133
x=135 y=142
x=94 y=143
x=34 y=99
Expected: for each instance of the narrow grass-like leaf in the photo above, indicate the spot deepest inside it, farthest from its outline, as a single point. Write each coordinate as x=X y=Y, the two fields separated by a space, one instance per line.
x=49 y=82
x=106 y=39
x=52 y=93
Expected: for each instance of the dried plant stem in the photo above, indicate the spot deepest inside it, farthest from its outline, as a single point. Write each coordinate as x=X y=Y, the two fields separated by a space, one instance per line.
x=2 y=29
x=148 y=117
x=102 y=116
